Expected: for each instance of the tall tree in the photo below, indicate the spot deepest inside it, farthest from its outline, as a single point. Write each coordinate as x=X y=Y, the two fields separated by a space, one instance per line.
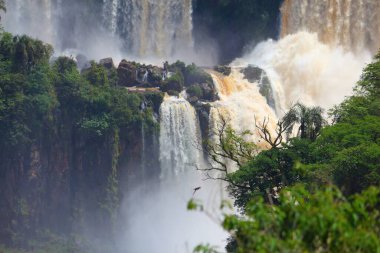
x=309 y=119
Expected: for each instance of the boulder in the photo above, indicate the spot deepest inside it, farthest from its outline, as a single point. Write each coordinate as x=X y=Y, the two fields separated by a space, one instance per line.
x=203 y=112
x=127 y=74
x=209 y=92
x=142 y=75
x=193 y=100
x=252 y=73
x=225 y=70
x=203 y=91
x=257 y=75
x=107 y=63
x=155 y=76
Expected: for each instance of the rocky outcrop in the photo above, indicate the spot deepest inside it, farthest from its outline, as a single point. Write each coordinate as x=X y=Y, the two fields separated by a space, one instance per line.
x=257 y=75
x=134 y=74
x=225 y=70
x=155 y=75
x=127 y=74
x=203 y=112
x=107 y=63
x=202 y=92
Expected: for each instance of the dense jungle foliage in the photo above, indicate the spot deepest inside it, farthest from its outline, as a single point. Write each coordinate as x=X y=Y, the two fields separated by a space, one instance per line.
x=34 y=93
x=50 y=111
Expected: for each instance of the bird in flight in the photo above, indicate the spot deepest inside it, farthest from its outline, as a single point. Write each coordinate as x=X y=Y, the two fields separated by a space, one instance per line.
x=196 y=189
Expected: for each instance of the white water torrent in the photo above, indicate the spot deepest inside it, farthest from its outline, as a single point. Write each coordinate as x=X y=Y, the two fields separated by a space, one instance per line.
x=180 y=141
x=323 y=49
x=160 y=221
x=303 y=69
x=240 y=104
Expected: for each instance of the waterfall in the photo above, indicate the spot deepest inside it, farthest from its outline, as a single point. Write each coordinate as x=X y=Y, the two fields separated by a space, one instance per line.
x=140 y=28
x=323 y=48
x=180 y=141
x=241 y=104
x=155 y=28
x=353 y=24
x=110 y=8
x=158 y=219
x=303 y=69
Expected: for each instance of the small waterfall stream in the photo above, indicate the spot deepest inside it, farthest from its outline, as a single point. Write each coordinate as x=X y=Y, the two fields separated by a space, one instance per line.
x=180 y=141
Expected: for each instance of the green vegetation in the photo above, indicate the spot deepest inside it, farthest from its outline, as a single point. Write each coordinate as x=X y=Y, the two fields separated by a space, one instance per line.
x=32 y=91
x=195 y=91
x=173 y=83
x=197 y=82
x=61 y=136
x=309 y=221
x=317 y=192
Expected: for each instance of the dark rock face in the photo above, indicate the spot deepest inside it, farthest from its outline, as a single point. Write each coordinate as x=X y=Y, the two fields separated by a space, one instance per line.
x=225 y=70
x=252 y=73
x=209 y=92
x=127 y=74
x=107 y=63
x=61 y=183
x=142 y=75
x=204 y=92
x=257 y=75
x=155 y=75
x=134 y=74
x=203 y=112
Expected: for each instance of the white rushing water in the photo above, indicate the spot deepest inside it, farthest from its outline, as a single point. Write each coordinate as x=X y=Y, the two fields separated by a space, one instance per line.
x=323 y=48
x=141 y=29
x=159 y=219
x=240 y=104
x=303 y=69
x=180 y=141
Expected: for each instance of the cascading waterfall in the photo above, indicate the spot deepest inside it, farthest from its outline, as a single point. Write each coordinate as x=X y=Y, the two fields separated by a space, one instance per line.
x=110 y=9
x=240 y=104
x=324 y=46
x=140 y=28
x=353 y=24
x=302 y=69
x=154 y=28
x=159 y=219
x=180 y=142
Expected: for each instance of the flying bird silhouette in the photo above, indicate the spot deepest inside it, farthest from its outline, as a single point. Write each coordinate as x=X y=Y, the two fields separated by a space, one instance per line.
x=196 y=189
